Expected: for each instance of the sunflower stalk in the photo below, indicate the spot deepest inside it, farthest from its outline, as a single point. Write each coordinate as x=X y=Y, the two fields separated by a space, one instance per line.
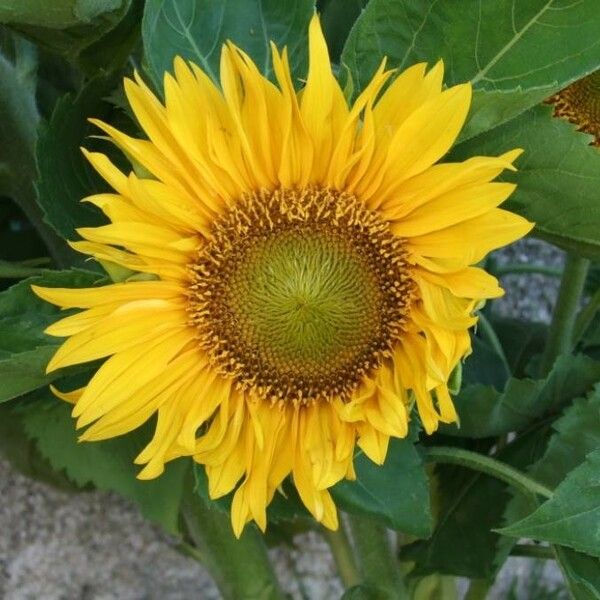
x=586 y=316
x=489 y=466
x=341 y=548
x=377 y=563
x=240 y=567
x=560 y=336
x=478 y=589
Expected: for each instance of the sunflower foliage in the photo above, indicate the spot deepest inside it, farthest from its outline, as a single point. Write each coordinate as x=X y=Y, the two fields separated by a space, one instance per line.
x=473 y=441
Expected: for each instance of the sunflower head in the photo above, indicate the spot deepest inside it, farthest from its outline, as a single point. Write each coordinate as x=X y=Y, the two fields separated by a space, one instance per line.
x=312 y=273
x=300 y=294
x=580 y=104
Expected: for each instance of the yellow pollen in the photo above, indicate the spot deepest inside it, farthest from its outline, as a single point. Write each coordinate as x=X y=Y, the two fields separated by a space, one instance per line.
x=299 y=295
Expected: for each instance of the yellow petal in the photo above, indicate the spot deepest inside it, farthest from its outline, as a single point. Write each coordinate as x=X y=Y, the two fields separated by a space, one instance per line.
x=426 y=135
x=130 y=325
x=470 y=241
x=451 y=208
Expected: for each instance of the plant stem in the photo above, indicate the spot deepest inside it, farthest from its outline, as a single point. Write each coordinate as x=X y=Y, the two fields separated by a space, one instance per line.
x=533 y=551
x=585 y=317
x=478 y=589
x=560 y=335
x=240 y=568
x=517 y=269
x=378 y=565
x=488 y=465
x=342 y=553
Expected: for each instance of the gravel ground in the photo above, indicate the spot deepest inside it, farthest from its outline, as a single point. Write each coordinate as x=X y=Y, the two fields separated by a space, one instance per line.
x=95 y=546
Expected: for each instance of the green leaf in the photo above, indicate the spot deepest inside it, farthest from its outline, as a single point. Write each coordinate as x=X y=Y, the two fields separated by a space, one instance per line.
x=196 y=31
x=337 y=19
x=24 y=347
x=57 y=14
x=80 y=31
x=19 y=270
x=107 y=465
x=572 y=516
x=582 y=573
x=65 y=176
x=484 y=366
x=577 y=433
x=22 y=452
x=558 y=177
x=486 y=412
x=112 y=50
x=515 y=53
x=467 y=507
x=396 y=493
x=521 y=342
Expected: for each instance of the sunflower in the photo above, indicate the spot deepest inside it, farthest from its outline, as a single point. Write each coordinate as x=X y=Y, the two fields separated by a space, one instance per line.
x=579 y=103
x=309 y=273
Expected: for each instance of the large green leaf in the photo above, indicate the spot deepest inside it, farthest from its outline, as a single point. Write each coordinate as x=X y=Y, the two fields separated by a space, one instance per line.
x=24 y=347
x=484 y=366
x=582 y=573
x=20 y=270
x=521 y=341
x=112 y=50
x=577 y=433
x=78 y=30
x=65 y=176
x=572 y=516
x=485 y=412
x=107 y=465
x=397 y=493
x=23 y=453
x=515 y=53
x=56 y=14
x=197 y=30
x=468 y=506
x=558 y=177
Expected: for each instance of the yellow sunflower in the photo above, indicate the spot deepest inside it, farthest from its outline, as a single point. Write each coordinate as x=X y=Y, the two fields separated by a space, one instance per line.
x=311 y=273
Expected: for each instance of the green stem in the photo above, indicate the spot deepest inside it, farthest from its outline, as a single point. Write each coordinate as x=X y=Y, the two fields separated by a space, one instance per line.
x=342 y=554
x=488 y=465
x=560 y=335
x=584 y=319
x=240 y=568
x=533 y=551
x=378 y=565
x=518 y=269
x=478 y=589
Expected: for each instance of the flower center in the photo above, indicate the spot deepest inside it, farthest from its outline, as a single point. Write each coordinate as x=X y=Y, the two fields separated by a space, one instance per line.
x=300 y=294
x=580 y=104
